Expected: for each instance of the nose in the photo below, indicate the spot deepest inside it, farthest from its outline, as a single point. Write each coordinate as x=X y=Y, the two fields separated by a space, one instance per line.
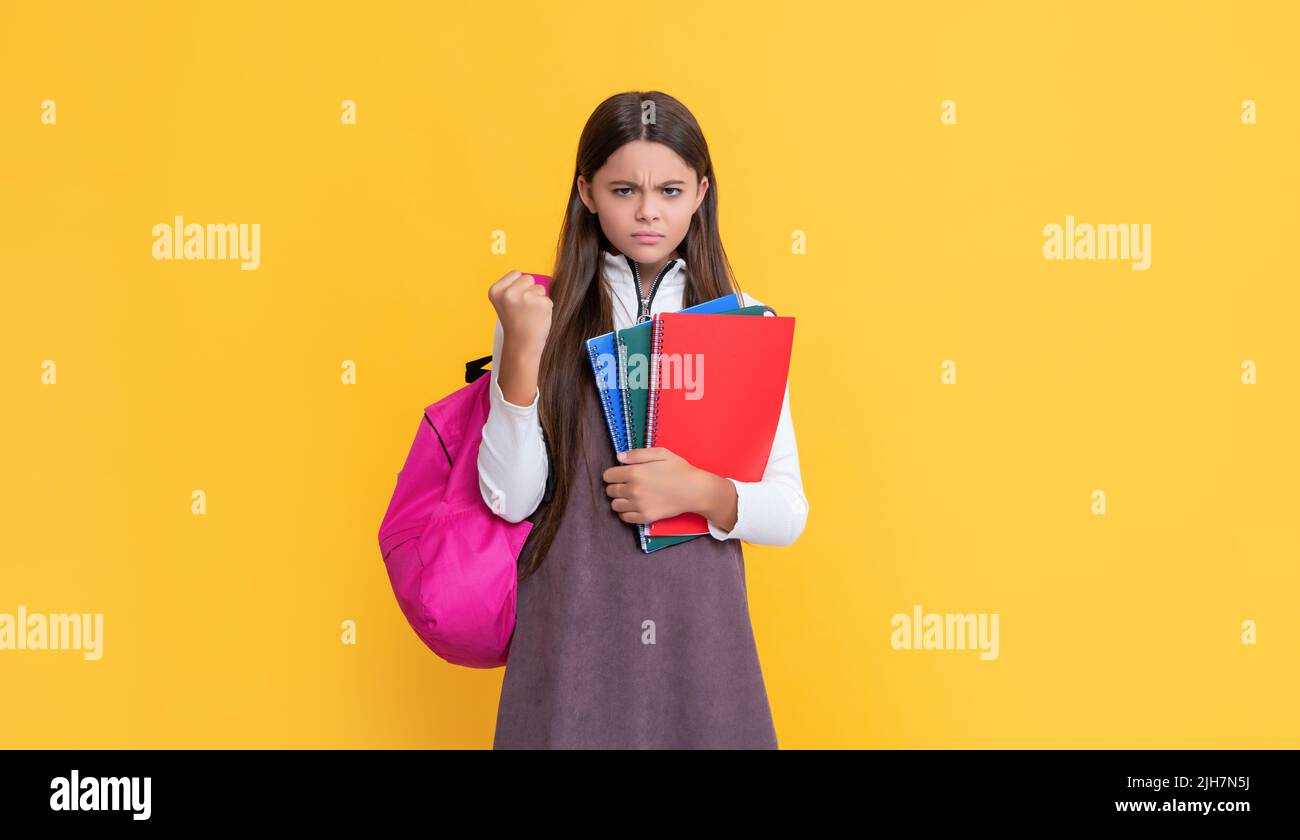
x=648 y=208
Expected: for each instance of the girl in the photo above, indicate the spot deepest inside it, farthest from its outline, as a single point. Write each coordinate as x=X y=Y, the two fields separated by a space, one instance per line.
x=615 y=648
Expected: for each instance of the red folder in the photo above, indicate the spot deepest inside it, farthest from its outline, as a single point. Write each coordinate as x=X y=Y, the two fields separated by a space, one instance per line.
x=717 y=384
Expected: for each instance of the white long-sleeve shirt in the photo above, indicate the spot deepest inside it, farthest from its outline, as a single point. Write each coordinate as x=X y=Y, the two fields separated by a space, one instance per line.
x=512 y=460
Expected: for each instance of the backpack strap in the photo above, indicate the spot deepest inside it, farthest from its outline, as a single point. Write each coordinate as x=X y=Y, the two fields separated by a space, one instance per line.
x=549 y=493
x=474 y=368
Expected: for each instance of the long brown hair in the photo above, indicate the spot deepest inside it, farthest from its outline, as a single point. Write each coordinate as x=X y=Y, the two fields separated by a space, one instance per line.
x=581 y=303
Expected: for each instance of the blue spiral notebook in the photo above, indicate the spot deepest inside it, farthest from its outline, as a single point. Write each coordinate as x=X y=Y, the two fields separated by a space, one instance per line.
x=603 y=353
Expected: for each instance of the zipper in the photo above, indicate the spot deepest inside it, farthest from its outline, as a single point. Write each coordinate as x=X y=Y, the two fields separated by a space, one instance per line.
x=643 y=309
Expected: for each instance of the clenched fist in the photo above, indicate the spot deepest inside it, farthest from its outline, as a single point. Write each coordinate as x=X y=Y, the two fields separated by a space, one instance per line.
x=524 y=310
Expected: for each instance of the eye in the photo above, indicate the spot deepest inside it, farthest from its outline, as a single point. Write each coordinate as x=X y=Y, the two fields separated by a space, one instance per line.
x=623 y=192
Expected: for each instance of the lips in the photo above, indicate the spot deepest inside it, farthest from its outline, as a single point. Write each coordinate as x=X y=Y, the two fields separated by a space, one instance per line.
x=647 y=237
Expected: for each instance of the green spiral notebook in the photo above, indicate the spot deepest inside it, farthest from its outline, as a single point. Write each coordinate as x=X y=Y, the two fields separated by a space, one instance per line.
x=634 y=383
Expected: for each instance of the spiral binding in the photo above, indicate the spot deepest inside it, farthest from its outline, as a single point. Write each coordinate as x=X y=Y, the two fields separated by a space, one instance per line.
x=652 y=404
x=620 y=353
x=652 y=409
x=599 y=369
x=641 y=530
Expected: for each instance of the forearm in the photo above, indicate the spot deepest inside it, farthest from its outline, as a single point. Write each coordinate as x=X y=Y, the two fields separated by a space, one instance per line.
x=518 y=375
x=716 y=500
x=768 y=512
x=512 y=458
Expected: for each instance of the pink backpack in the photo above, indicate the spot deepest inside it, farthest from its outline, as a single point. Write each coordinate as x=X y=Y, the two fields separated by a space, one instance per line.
x=453 y=563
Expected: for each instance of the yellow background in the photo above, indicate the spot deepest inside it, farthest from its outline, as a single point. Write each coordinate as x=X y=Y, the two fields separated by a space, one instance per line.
x=924 y=244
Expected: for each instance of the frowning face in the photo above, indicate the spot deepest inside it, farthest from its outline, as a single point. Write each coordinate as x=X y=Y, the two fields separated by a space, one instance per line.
x=644 y=196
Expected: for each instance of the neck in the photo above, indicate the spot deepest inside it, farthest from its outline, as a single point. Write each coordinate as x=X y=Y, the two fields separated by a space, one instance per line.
x=649 y=271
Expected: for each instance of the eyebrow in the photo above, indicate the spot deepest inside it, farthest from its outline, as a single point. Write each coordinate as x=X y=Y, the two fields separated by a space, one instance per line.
x=635 y=184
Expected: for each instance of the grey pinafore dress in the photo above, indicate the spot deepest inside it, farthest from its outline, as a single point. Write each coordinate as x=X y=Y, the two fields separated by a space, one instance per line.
x=618 y=649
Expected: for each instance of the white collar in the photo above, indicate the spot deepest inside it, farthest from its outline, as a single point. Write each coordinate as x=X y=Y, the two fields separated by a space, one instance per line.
x=622 y=283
